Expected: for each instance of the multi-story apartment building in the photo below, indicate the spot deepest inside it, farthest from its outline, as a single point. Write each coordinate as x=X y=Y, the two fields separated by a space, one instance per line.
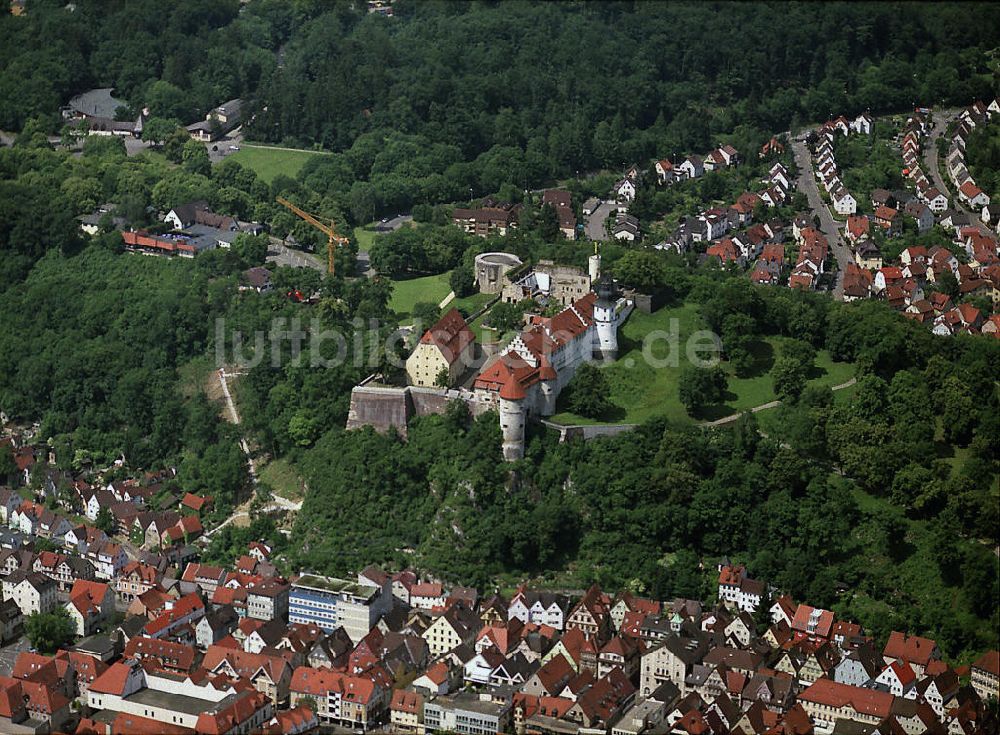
x=330 y=603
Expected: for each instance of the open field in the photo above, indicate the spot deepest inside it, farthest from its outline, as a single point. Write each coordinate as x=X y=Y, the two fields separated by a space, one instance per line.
x=268 y=163
x=364 y=237
x=283 y=479
x=641 y=390
x=471 y=304
x=407 y=293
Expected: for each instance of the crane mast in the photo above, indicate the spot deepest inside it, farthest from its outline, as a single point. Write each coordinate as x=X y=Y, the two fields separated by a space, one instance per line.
x=328 y=228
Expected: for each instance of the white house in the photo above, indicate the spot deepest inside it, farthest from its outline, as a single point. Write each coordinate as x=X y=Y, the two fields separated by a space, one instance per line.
x=427 y=595
x=900 y=679
x=540 y=608
x=664 y=171
x=973 y=195
x=862 y=124
x=33 y=592
x=934 y=199
x=90 y=604
x=692 y=167
x=844 y=202
x=625 y=190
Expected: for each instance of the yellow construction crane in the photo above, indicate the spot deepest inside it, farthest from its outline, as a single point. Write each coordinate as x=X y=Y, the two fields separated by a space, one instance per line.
x=323 y=224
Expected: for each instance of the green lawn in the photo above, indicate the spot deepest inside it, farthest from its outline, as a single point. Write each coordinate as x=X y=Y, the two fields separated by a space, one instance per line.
x=269 y=162
x=407 y=293
x=471 y=304
x=641 y=390
x=364 y=237
x=283 y=479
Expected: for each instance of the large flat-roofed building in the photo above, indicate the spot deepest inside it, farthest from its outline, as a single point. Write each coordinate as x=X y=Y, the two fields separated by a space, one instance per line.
x=466 y=713
x=178 y=700
x=330 y=603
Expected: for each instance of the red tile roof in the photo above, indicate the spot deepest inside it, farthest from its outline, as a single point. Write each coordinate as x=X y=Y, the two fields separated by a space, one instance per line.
x=451 y=335
x=864 y=701
x=913 y=648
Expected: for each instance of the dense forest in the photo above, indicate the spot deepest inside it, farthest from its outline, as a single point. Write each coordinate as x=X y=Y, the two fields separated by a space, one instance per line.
x=642 y=508
x=448 y=100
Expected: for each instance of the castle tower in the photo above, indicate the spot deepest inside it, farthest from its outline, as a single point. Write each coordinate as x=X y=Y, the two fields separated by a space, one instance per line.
x=606 y=346
x=594 y=266
x=512 y=417
x=548 y=386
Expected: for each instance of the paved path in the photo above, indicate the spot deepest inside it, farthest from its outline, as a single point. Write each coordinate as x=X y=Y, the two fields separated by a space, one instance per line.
x=235 y=418
x=276 y=502
x=594 y=223
x=828 y=225
x=764 y=406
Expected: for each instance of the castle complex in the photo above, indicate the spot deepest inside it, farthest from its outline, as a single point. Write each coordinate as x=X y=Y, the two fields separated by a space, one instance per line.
x=522 y=381
x=527 y=377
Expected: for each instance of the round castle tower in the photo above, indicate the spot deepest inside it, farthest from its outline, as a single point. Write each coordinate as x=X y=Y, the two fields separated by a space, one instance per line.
x=606 y=345
x=594 y=266
x=548 y=386
x=512 y=418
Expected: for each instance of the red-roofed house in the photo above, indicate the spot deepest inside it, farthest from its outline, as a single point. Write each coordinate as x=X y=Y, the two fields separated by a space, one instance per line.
x=812 y=622
x=857 y=227
x=427 y=595
x=914 y=650
x=406 y=711
x=90 y=604
x=827 y=702
x=354 y=701
x=270 y=674
x=446 y=348
x=973 y=195
x=22 y=701
x=197 y=503
x=188 y=609
x=166 y=654
x=986 y=675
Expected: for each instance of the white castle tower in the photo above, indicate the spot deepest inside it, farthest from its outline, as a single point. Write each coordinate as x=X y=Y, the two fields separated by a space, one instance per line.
x=512 y=417
x=594 y=266
x=606 y=345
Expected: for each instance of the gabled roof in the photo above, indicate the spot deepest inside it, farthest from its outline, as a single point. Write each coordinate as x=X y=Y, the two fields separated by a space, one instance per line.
x=451 y=335
x=910 y=648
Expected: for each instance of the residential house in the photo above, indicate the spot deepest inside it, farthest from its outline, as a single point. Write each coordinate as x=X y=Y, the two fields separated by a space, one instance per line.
x=33 y=592
x=972 y=195
x=985 y=673
x=538 y=608
x=827 y=702
x=736 y=589
x=270 y=674
x=447 y=348
x=90 y=604
x=843 y=202
x=918 y=652
x=458 y=625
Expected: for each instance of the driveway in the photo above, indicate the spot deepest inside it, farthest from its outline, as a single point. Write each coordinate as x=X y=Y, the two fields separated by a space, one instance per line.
x=593 y=225
x=828 y=225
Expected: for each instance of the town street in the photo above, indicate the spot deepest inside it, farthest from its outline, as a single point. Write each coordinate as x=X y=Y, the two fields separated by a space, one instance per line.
x=941 y=120
x=828 y=225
